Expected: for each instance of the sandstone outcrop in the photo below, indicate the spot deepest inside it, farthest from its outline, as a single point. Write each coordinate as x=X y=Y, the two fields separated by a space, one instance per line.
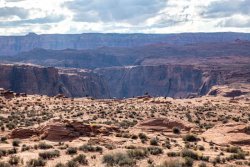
x=231 y=133
x=165 y=124
x=65 y=130
x=23 y=133
x=233 y=90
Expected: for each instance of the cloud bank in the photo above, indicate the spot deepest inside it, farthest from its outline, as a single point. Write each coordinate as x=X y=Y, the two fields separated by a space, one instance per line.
x=123 y=16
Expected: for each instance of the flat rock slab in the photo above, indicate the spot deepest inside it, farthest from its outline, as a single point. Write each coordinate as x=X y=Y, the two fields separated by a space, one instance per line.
x=232 y=133
x=165 y=124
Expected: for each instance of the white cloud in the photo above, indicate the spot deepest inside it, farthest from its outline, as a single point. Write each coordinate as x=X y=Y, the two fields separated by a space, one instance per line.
x=124 y=16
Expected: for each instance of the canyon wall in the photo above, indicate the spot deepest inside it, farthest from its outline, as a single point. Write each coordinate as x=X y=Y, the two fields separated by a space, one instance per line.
x=11 y=45
x=51 y=81
x=165 y=80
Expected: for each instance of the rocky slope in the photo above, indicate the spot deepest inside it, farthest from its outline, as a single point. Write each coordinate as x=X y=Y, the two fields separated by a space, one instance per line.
x=11 y=45
x=51 y=81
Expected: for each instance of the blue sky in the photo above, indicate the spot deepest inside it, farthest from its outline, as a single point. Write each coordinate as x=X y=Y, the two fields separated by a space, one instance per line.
x=123 y=16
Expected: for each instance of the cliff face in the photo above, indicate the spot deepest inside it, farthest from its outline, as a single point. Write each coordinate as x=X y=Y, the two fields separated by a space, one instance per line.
x=51 y=81
x=11 y=45
x=172 y=81
x=163 y=80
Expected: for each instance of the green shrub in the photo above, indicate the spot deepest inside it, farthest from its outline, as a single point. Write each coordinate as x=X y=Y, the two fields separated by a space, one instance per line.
x=36 y=162
x=137 y=153
x=119 y=159
x=3 y=153
x=188 y=162
x=154 y=141
x=233 y=149
x=155 y=150
x=4 y=164
x=190 y=138
x=171 y=163
x=12 y=151
x=72 y=164
x=49 y=154
x=90 y=148
x=173 y=154
x=3 y=139
x=14 y=160
x=143 y=136
x=240 y=155
x=176 y=130
x=44 y=146
x=81 y=159
x=203 y=164
x=190 y=154
x=16 y=142
x=71 y=150
x=60 y=165
x=134 y=137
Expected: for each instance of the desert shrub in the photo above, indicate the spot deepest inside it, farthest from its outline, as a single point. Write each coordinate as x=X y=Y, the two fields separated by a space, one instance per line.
x=12 y=151
x=134 y=137
x=119 y=159
x=49 y=154
x=154 y=141
x=188 y=162
x=205 y=158
x=130 y=147
x=36 y=162
x=203 y=164
x=126 y=124
x=14 y=160
x=143 y=136
x=155 y=150
x=10 y=125
x=71 y=150
x=72 y=164
x=190 y=138
x=233 y=149
x=201 y=148
x=239 y=155
x=60 y=165
x=81 y=159
x=90 y=148
x=110 y=146
x=247 y=129
x=137 y=153
x=3 y=139
x=25 y=148
x=176 y=130
x=2 y=128
x=44 y=146
x=3 y=153
x=190 y=154
x=4 y=164
x=173 y=154
x=16 y=142
x=171 y=163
